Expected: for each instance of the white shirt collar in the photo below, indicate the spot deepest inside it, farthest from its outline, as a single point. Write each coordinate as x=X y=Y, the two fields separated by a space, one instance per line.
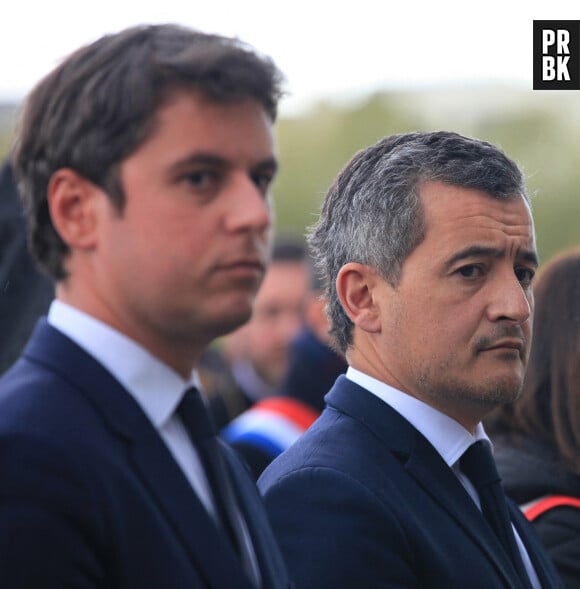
x=447 y=436
x=156 y=387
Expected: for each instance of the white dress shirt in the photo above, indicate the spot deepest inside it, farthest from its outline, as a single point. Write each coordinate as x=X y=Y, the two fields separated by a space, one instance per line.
x=155 y=387
x=447 y=436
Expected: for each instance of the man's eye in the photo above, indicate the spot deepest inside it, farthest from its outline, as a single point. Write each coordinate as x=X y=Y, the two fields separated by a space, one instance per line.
x=200 y=179
x=525 y=276
x=470 y=271
x=262 y=181
x=269 y=313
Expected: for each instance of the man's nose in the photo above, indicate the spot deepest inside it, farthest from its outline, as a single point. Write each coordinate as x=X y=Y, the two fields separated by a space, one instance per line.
x=248 y=208
x=511 y=300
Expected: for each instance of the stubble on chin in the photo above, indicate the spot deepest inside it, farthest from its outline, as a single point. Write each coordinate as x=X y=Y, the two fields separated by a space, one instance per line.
x=483 y=396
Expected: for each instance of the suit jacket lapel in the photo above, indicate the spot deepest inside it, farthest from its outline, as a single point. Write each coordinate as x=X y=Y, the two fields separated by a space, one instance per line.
x=439 y=481
x=421 y=461
x=271 y=564
x=209 y=550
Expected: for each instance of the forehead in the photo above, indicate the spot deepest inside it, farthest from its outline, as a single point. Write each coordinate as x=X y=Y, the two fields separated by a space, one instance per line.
x=189 y=130
x=188 y=119
x=457 y=217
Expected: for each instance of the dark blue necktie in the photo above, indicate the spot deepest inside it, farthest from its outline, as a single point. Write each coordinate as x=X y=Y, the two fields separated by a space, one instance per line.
x=478 y=464
x=199 y=426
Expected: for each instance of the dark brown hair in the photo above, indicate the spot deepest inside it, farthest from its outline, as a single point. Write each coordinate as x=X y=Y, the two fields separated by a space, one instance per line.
x=100 y=104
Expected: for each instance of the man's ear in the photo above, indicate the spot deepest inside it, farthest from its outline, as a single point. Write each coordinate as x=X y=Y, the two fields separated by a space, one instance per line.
x=72 y=202
x=355 y=286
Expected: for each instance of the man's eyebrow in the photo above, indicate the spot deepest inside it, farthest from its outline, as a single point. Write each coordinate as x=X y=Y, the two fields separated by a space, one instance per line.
x=473 y=251
x=270 y=164
x=530 y=256
x=206 y=159
x=216 y=161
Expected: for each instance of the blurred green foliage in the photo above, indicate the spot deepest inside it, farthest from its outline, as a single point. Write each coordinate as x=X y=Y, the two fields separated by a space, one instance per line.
x=539 y=130
x=315 y=146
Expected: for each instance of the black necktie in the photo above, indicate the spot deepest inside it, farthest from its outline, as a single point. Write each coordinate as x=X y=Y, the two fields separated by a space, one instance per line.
x=478 y=464
x=201 y=430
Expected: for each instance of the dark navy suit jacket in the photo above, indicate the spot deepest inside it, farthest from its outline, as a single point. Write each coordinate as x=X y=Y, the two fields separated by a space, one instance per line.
x=91 y=497
x=363 y=500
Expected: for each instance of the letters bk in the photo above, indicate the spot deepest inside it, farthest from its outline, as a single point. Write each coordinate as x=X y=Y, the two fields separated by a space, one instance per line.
x=556 y=55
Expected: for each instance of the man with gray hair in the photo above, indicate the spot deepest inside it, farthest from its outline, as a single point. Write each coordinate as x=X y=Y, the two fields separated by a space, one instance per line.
x=427 y=246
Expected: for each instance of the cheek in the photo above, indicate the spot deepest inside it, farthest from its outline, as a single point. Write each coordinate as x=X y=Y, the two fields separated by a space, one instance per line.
x=266 y=335
x=444 y=335
x=415 y=320
x=256 y=334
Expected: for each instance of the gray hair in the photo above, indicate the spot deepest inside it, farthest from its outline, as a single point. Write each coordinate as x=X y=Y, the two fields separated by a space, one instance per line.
x=372 y=213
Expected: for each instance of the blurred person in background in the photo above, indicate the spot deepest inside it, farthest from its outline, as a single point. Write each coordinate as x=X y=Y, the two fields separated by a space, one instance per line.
x=251 y=363
x=314 y=363
x=273 y=424
x=537 y=438
x=25 y=292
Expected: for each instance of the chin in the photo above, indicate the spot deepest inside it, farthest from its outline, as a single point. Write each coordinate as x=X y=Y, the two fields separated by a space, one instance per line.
x=503 y=390
x=488 y=392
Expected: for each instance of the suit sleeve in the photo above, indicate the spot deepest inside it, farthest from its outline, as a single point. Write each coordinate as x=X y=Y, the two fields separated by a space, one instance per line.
x=48 y=521
x=336 y=536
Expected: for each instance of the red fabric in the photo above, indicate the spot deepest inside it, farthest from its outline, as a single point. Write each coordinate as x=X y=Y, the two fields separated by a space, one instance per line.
x=300 y=413
x=548 y=503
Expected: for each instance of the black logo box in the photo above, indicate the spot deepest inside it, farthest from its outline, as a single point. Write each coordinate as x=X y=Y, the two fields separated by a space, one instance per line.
x=573 y=64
